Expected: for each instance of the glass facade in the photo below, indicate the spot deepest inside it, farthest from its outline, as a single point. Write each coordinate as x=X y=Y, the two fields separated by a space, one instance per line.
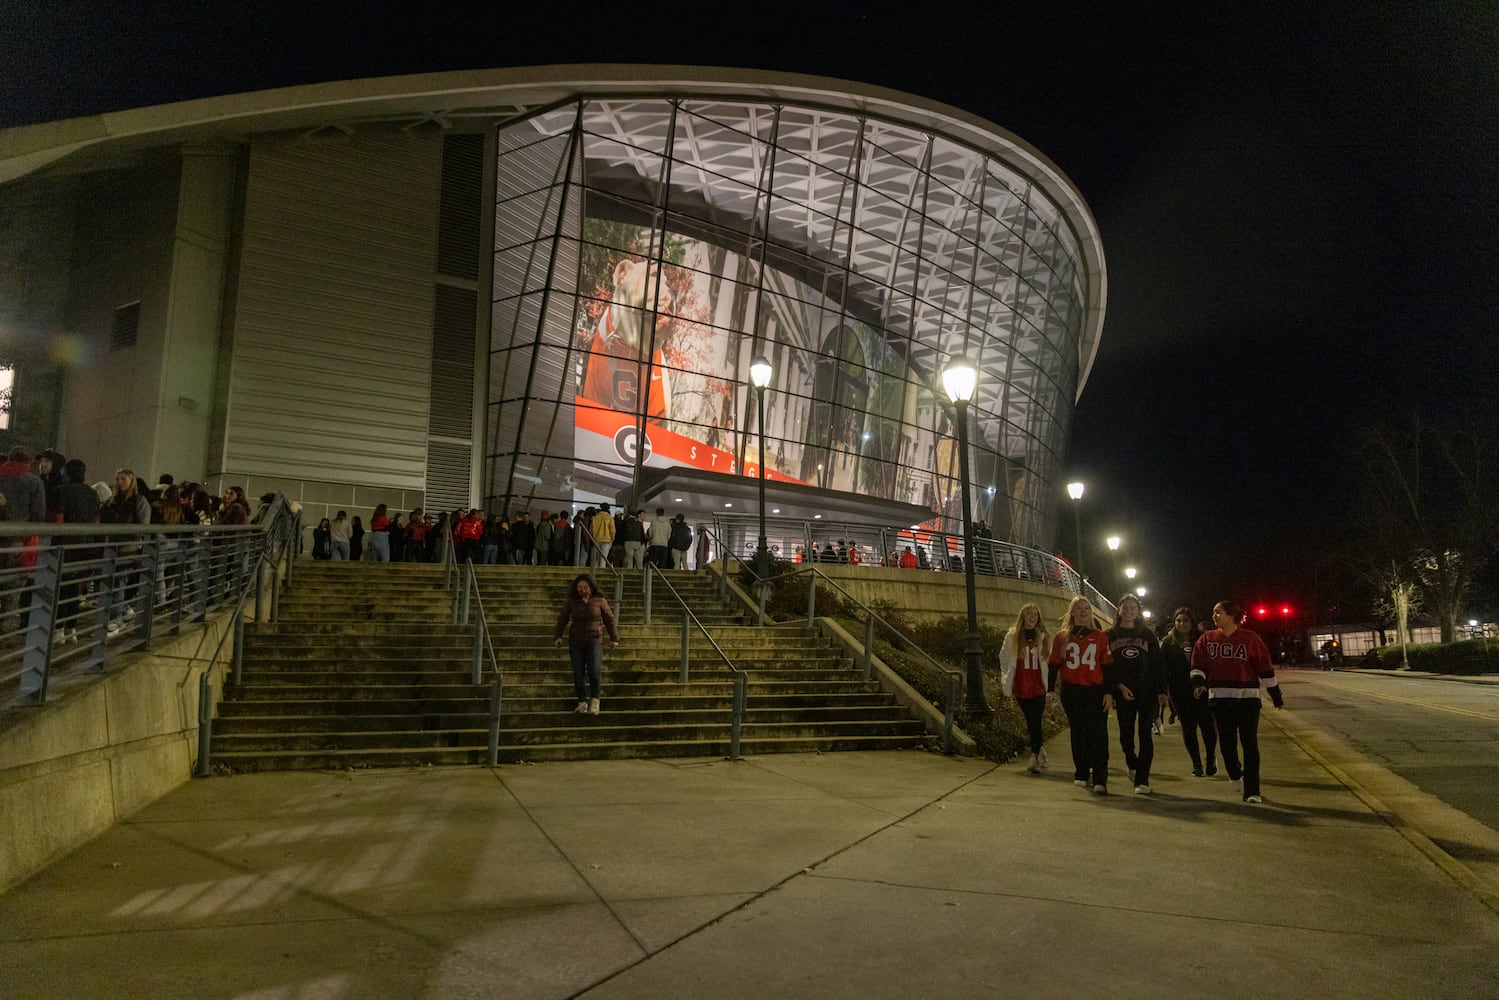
x=665 y=243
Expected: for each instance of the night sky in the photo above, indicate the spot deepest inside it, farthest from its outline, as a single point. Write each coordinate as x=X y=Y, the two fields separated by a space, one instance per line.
x=1300 y=211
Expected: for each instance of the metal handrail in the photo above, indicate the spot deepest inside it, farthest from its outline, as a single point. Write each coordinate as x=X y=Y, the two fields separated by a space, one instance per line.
x=761 y=584
x=619 y=578
x=49 y=569
x=955 y=677
x=993 y=556
x=281 y=524
x=740 y=702
x=483 y=642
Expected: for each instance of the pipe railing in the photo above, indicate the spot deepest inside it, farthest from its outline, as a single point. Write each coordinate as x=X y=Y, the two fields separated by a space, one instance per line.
x=283 y=528
x=483 y=648
x=953 y=677
x=840 y=542
x=619 y=576
x=740 y=703
x=75 y=597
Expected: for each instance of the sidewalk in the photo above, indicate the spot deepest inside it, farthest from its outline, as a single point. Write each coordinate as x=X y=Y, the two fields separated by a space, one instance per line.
x=867 y=875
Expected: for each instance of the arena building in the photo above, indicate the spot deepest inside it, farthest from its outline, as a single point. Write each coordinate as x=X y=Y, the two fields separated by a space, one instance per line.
x=449 y=290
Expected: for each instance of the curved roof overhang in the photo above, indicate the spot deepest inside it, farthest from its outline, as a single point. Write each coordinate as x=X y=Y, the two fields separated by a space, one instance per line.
x=102 y=141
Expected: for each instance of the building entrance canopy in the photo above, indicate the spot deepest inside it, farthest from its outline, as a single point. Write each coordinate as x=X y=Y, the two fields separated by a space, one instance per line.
x=699 y=493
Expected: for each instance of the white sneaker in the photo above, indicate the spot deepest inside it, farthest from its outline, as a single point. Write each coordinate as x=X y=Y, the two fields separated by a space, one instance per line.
x=1079 y=782
x=593 y=706
x=1042 y=757
x=582 y=708
x=1100 y=789
x=129 y=613
x=1034 y=767
x=1237 y=784
x=116 y=627
x=1253 y=798
x=1142 y=789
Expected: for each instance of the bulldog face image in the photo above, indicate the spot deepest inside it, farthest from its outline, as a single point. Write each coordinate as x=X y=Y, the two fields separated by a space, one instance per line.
x=634 y=283
x=622 y=339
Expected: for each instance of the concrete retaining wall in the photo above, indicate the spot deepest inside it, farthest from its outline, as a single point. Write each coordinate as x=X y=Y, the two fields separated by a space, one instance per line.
x=928 y=594
x=102 y=749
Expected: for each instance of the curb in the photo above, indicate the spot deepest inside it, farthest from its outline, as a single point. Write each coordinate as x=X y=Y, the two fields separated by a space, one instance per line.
x=1482 y=888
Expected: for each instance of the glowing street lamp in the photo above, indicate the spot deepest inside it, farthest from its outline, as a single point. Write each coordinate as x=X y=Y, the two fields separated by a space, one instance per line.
x=1129 y=571
x=1075 y=491
x=760 y=374
x=1139 y=591
x=1113 y=543
x=960 y=381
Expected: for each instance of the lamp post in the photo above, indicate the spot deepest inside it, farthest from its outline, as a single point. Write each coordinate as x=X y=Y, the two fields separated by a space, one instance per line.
x=960 y=381
x=760 y=373
x=1075 y=491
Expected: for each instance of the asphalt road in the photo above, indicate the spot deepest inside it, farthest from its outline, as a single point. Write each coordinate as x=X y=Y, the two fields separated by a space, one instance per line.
x=1441 y=734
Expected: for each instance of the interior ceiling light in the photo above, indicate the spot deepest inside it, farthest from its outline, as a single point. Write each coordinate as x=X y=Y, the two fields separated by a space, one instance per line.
x=727 y=504
x=817 y=517
x=775 y=510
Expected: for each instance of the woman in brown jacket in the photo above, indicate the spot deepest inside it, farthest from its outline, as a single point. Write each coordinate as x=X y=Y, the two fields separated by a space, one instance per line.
x=587 y=619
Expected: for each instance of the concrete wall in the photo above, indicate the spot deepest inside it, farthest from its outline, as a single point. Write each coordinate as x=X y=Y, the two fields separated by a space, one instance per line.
x=183 y=398
x=926 y=594
x=100 y=751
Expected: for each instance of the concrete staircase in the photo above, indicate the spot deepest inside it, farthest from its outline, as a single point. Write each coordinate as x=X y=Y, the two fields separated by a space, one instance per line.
x=362 y=670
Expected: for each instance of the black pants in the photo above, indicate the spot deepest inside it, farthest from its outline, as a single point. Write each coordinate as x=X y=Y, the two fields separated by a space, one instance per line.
x=1032 y=708
x=1239 y=724
x=1195 y=717
x=1083 y=704
x=1135 y=719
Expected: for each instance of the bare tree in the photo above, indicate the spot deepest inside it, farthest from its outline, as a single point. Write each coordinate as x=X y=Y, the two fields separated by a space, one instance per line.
x=1426 y=512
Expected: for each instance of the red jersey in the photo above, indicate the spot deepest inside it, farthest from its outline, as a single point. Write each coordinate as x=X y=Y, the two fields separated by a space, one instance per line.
x=613 y=375
x=1081 y=659
x=1232 y=666
x=1025 y=677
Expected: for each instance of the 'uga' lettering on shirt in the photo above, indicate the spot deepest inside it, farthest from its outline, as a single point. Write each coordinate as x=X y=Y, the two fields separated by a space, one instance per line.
x=1228 y=650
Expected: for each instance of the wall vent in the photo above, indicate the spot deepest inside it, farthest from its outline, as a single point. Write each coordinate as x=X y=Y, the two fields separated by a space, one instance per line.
x=122 y=331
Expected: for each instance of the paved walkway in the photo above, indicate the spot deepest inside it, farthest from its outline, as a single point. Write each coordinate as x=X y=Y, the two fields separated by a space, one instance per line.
x=866 y=875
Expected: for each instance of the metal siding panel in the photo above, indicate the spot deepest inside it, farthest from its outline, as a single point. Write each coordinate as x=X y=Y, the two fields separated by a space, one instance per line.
x=333 y=325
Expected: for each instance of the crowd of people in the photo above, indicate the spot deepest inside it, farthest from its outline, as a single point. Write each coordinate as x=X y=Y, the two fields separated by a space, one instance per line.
x=51 y=488
x=591 y=537
x=1210 y=680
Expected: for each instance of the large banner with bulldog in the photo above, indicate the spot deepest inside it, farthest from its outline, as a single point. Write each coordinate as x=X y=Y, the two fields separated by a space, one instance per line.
x=843 y=412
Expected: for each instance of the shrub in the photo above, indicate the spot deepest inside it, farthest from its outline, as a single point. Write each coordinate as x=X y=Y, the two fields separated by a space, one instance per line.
x=1470 y=656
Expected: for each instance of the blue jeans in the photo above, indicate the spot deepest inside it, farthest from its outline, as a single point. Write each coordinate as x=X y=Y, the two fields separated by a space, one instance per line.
x=588 y=660
x=378 y=543
x=491 y=555
x=340 y=551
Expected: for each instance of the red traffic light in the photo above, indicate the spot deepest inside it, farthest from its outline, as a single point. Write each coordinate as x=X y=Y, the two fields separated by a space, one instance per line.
x=1262 y=611
x=1285 y=610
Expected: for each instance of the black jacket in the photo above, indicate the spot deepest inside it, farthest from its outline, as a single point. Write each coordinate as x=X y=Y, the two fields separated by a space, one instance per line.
x=1137 y=661
x=78 y=502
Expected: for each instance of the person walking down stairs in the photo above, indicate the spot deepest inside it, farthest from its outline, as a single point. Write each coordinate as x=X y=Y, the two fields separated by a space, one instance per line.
x=586 y=618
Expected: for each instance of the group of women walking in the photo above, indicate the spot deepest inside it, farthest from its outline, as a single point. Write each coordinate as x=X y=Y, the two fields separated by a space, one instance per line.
x=1212 y=680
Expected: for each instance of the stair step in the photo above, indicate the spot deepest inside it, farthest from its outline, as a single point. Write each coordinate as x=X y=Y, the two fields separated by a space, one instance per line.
x=304 y=760
x=364 y=668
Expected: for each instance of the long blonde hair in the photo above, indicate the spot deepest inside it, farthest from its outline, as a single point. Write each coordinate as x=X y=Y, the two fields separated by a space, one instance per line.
x=1018 y=629
x=1066 y=625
